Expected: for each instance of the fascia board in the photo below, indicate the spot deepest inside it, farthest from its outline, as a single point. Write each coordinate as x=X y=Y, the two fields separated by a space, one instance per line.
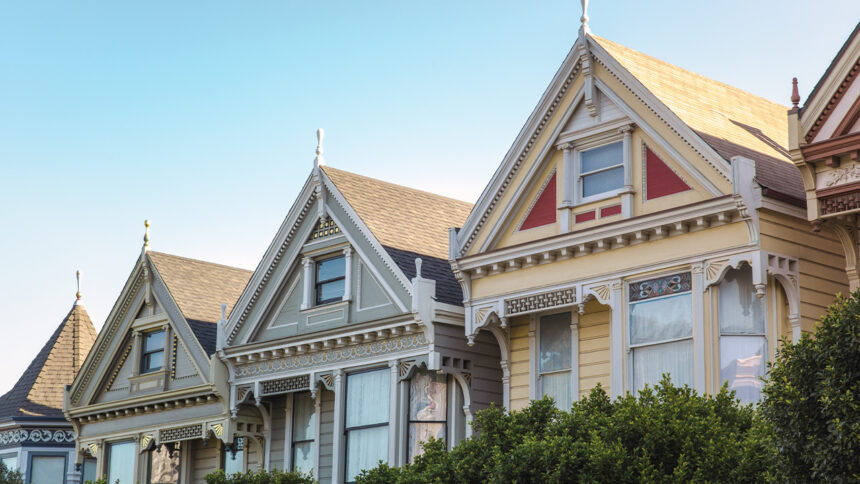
x=720 y=165
x=268 y=260
x=510 y=158
x=722 y=204
x=816 y=104
x=148 y=398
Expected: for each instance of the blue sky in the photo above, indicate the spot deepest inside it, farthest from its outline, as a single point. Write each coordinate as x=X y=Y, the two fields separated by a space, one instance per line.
x=201 y=115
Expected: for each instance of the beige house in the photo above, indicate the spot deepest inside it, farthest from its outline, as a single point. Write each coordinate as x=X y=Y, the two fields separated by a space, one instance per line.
x=150 y=402
x=646 y=220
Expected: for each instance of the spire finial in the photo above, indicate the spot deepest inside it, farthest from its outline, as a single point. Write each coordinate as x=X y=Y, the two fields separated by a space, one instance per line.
x=78 y=294
x=795 y=96
x=319 y=160
x=418 y=262
x=584 y=19
x=146 y=236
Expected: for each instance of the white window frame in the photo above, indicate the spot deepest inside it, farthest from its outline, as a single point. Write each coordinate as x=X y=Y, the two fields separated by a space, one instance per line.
x=579 y=176
x=309 y=275
x=536 y=384
x=344 y=436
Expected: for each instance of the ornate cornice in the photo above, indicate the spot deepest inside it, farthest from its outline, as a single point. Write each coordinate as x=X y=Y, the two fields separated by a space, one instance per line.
x=35 y=437
x=147 y=408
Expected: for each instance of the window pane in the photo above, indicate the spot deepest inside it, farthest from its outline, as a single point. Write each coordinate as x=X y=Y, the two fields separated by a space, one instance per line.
x=330 y=268
x=364 y=449
x=421 y=432
x=153 y=341
x=89 y=470
x=331 y=291
x=650 y=362
x=740 y=310
x=555 y=342
x=121 y=463
x=47 y=469
x=742 y=364
x=233 y=462
x=304 y=418
x=367 y=398
x=11 y=463
x=661 y=319
x=602 y=157
x=428 y=397
x=164 y=465
x=153 y=361
x=303 y=457
x=603 y=181
x=557 y=386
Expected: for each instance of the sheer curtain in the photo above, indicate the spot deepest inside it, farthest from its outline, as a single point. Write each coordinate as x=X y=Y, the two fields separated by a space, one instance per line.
x=743 y=344
x=555 y=364
x=661 y=332
x=121 y=463
x=304 y=431
x=47 y=469
x=366 y=420
x=428 y=410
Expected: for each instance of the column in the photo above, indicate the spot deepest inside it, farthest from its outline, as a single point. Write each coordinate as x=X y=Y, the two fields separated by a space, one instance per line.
x=308 y=280
x=393 y=413
x=534 y=351
x=616 y=340
x=568 y=179
x=699 y=326
x=317 y=430
x=574 y=355
x=338 y=448
x=627 y=197
x=795 y=321
x=347 y=280
x=135 y=353
x=288 y=434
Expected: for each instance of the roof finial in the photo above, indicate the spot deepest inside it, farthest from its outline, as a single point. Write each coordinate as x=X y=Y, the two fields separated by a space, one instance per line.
x=795 y=96
x=418 y=262
x=584 y=19
x=78 y=294
x=319 y=160
x=146 y=236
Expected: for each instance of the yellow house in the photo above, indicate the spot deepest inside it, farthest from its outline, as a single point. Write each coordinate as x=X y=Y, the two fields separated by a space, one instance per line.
x=646 y=220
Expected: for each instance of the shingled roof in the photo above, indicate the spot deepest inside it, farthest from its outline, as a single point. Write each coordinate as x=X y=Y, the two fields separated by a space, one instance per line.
x=409 y=223
x=733 y=122
x=199 y=288
x=39 y=391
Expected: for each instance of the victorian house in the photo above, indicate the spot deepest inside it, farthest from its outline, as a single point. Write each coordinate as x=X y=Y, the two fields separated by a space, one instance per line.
x=646 y=220
x=348 y=341
x=35 y=437
x=824 y=143
x=150 y=403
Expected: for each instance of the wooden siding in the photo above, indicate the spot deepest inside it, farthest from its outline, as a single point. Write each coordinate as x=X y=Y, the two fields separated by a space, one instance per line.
x=279 y=422
x=326 y=434
x=519 y=346
x=820 y=256
x=594 y=348
x=485 y=357
x=204 y=459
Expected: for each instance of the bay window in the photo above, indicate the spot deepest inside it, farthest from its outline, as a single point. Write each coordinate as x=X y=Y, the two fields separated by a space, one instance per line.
x=164 y=464
x=428 y=410
x=304 y=432
x=366 y=425
x=743 y=343
x=121 y=463
x=601 y=169
x=555 y=359
x=47 y=469
x=661 y=330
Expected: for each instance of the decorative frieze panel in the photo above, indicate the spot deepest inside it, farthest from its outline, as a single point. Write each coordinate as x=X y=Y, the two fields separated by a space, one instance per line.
x=336 y=355
x=324 y=229
x=536 y=302
x=285 y=385
x=661 y=286
x=17 y=437
x=181 y=433
x=840 y=203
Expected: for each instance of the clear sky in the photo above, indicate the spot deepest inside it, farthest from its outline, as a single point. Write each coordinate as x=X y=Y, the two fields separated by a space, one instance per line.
x=200 y=115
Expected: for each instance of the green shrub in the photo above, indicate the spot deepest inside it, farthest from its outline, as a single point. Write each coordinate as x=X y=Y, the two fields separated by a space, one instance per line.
x=8 y=476
x=813 y=399
x=261 y=477
x=667 y=434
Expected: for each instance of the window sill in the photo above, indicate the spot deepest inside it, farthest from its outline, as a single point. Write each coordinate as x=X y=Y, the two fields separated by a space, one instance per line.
x=153 y=380
x=604 y=196
x=325 y=307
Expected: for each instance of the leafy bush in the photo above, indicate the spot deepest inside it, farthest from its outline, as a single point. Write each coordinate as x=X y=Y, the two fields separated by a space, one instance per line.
x=813 y=399
x=667 y=434
x=9 y=476
x=100 y=480
x=262 y=477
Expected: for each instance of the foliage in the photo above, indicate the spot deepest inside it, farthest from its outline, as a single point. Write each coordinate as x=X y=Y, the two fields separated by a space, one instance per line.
x=667 y=434
x=9 y=476
x=100 y=480
x=261 y=477
x=813 y=399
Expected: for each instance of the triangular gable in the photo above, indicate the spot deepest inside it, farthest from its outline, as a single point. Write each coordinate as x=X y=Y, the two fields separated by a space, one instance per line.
x=660 y=180
x=543 y=211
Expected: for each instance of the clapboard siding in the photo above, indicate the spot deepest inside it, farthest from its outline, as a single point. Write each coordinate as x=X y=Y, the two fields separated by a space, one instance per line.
x=519 y=341
x=204 y=459
x=820 y=256
x=484 y=356
x=326 y=433
x=594 y=348
x=279 y=422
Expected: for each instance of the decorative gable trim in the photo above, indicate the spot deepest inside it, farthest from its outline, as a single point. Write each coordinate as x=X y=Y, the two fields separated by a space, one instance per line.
x=822 y=118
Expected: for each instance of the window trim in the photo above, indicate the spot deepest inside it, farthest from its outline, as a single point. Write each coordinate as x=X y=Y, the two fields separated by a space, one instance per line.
x=107 y=454
x=318 y=283
x=580 y=175
x=347 y=429
x=573 y=371
x=45 y=453
x=293 y=440
x=144 y=354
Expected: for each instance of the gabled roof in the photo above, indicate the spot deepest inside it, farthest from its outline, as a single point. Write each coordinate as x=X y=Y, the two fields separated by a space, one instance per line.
x=832 y=66
x=409 y=223
x=39 y=391
x=198 y=288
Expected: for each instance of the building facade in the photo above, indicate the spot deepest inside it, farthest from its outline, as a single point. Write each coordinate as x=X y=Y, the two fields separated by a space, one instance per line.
x=150 y=402
x=646 y=220
x=35 y=437
x=348 y=341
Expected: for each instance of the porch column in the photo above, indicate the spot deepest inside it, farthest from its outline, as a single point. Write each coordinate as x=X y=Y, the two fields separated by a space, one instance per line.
x=616 y=341
x=534 y=351
x=288 y=434
x=699 y=326
x=338 y=449
x=393 y=414
x=574 y=355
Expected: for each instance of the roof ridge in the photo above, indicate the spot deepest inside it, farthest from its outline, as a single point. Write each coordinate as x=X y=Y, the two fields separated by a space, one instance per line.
x=688 y=71
x=200 y=260
x=377 y=180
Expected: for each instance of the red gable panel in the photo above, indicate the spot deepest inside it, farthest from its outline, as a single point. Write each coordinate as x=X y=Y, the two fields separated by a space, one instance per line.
x=543 y=212
x=660 y=180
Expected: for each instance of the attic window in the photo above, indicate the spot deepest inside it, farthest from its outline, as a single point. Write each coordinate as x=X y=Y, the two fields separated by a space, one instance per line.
x=601 y=169
x=152 y=358
x=330 y=280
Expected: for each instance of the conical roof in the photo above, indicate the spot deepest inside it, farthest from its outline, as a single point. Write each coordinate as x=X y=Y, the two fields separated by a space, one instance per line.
x=39 y=391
